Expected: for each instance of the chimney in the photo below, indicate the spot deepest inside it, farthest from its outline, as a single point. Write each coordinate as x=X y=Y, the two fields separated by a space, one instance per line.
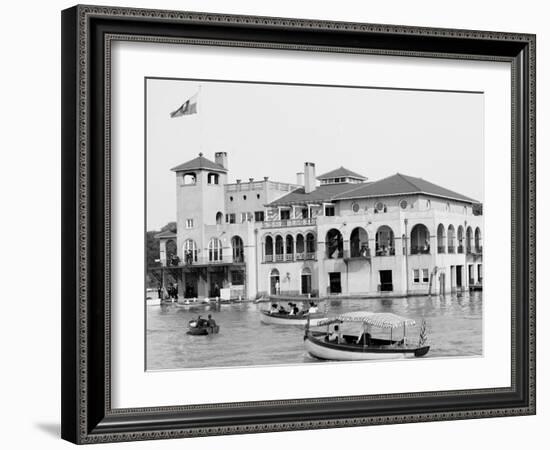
x=309 y=177
x=300 y=178
x=251 y=180
x=221 y=159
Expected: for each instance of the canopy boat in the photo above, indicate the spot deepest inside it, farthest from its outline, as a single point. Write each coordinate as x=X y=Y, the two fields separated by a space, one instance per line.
x=363 y=347
x=291 y=319
x=201 y=327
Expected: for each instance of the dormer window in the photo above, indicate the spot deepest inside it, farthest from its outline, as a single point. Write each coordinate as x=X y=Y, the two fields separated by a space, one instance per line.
x=213 y=178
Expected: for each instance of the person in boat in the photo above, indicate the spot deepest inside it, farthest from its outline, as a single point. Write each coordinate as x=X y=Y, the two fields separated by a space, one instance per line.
x=313 y=308
x=211 y=322
x=291 y=308
x=274 y=308
x=282 y=310
x=295 y=309
x=364 y=338
x=335 y=336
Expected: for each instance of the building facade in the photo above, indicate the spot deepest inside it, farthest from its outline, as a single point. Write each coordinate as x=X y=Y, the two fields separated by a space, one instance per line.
x=333 y=234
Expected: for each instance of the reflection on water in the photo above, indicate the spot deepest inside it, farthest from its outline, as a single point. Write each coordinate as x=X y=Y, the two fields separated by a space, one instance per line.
x=454 y=324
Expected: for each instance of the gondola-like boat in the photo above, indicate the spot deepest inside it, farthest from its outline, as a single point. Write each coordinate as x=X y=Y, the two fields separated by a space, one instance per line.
x=363 y=347
x=201 y=327
x=291 y=319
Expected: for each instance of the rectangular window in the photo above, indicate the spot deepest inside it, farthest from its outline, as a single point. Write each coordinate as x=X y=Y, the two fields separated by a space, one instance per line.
x=425 y=276
x=189 y=223
x=243 y=217
x=329 y=211
x=416 y=276
x=285 y=214
x=230 y=218
x=305 y=213
x=258 y=216
x=237 y=277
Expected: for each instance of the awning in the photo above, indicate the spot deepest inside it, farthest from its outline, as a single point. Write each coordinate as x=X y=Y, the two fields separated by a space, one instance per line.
x=380 y=320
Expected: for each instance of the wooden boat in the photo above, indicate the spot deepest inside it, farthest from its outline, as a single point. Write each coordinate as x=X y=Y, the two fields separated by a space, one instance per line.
x=201 y=328
x=287 y=319
x=350 y=347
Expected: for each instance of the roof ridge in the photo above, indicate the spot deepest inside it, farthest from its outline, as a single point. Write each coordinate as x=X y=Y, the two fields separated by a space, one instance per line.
x=407 y=180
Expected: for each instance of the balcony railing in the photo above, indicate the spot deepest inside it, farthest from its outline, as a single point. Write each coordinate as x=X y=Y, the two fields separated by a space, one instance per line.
x=289 y=223
x=203 y=260
x=289 y=257
x=420 y=250
x=451 y=249
x=460 y=249
x=385 y=252
x=440 y=249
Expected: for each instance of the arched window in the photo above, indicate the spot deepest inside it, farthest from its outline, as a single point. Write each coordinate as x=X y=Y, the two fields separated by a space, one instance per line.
x=420 y=240
x=478 y=244
x=359 y=243
x=385 y=245
x=189 y=178
x=189 y=251
x=238 y=249
x=268 y=249
x=213 y=178
x=215 y=250
x=441 y=239
x=300 y=247
x=335 y=244
x=289 y=247
x=460 y=239
x=219 y=218
x=310 y=246
x=469 y=240
x=279 y=248
x=451 y=239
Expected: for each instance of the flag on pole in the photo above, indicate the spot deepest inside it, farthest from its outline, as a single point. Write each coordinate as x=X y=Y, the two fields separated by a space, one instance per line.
x=189 y=107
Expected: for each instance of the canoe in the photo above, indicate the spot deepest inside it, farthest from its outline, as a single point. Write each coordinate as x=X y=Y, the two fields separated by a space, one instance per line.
x=286 y=319
x=320 y=348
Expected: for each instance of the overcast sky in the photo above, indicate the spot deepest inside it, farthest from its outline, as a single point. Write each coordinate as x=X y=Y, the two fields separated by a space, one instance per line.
x=270 y=130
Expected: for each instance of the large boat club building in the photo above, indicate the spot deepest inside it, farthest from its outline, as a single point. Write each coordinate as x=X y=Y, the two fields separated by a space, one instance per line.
x=333 y=234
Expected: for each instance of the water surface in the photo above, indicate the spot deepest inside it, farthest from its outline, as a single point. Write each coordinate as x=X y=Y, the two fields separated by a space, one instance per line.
x=454 y=328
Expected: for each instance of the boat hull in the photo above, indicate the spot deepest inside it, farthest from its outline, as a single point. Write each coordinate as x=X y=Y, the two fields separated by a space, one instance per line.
x=203 y=331
x=276 y=319
x=334 y=352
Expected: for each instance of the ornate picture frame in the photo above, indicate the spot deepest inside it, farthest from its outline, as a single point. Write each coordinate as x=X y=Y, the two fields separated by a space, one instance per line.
x=88 y=33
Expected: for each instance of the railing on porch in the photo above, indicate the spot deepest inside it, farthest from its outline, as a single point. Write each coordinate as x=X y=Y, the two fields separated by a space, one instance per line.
x=289 y=223
x=386 y=252
x=420 y=250
x=289 y=257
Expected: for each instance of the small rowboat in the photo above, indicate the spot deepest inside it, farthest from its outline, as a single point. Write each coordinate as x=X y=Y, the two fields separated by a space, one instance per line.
x=349 y=347
x=201 y=329
x=287 y=319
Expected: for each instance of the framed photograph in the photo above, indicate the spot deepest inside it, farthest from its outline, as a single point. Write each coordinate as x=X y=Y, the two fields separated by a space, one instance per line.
x=278 y=224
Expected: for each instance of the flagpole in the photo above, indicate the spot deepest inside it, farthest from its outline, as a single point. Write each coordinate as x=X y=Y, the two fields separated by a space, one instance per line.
x=201 y=128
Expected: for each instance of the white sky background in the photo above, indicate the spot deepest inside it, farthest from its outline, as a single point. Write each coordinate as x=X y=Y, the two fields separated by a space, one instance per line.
x=270 y=130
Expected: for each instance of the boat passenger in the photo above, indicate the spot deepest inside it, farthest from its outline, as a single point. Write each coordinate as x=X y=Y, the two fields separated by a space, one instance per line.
x=364 y=338
x=313 y=308
x=335 y=336
x=282 y=310
x=274 y=308
x=211 y=322
x=295 y=309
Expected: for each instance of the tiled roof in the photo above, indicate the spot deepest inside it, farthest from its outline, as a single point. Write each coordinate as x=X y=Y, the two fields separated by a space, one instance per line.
x=323 y=193
x=402 y=184
x=341 y=172
x=200 y=162
x=166 y=234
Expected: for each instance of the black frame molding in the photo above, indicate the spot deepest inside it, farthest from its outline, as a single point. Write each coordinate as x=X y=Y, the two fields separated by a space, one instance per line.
x=87 y=32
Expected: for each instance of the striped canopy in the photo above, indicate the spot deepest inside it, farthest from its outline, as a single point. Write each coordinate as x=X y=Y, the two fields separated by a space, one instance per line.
x=380 y=320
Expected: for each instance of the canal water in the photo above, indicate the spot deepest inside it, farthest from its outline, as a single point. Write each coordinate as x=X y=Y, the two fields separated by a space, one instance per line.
x=453 y=322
